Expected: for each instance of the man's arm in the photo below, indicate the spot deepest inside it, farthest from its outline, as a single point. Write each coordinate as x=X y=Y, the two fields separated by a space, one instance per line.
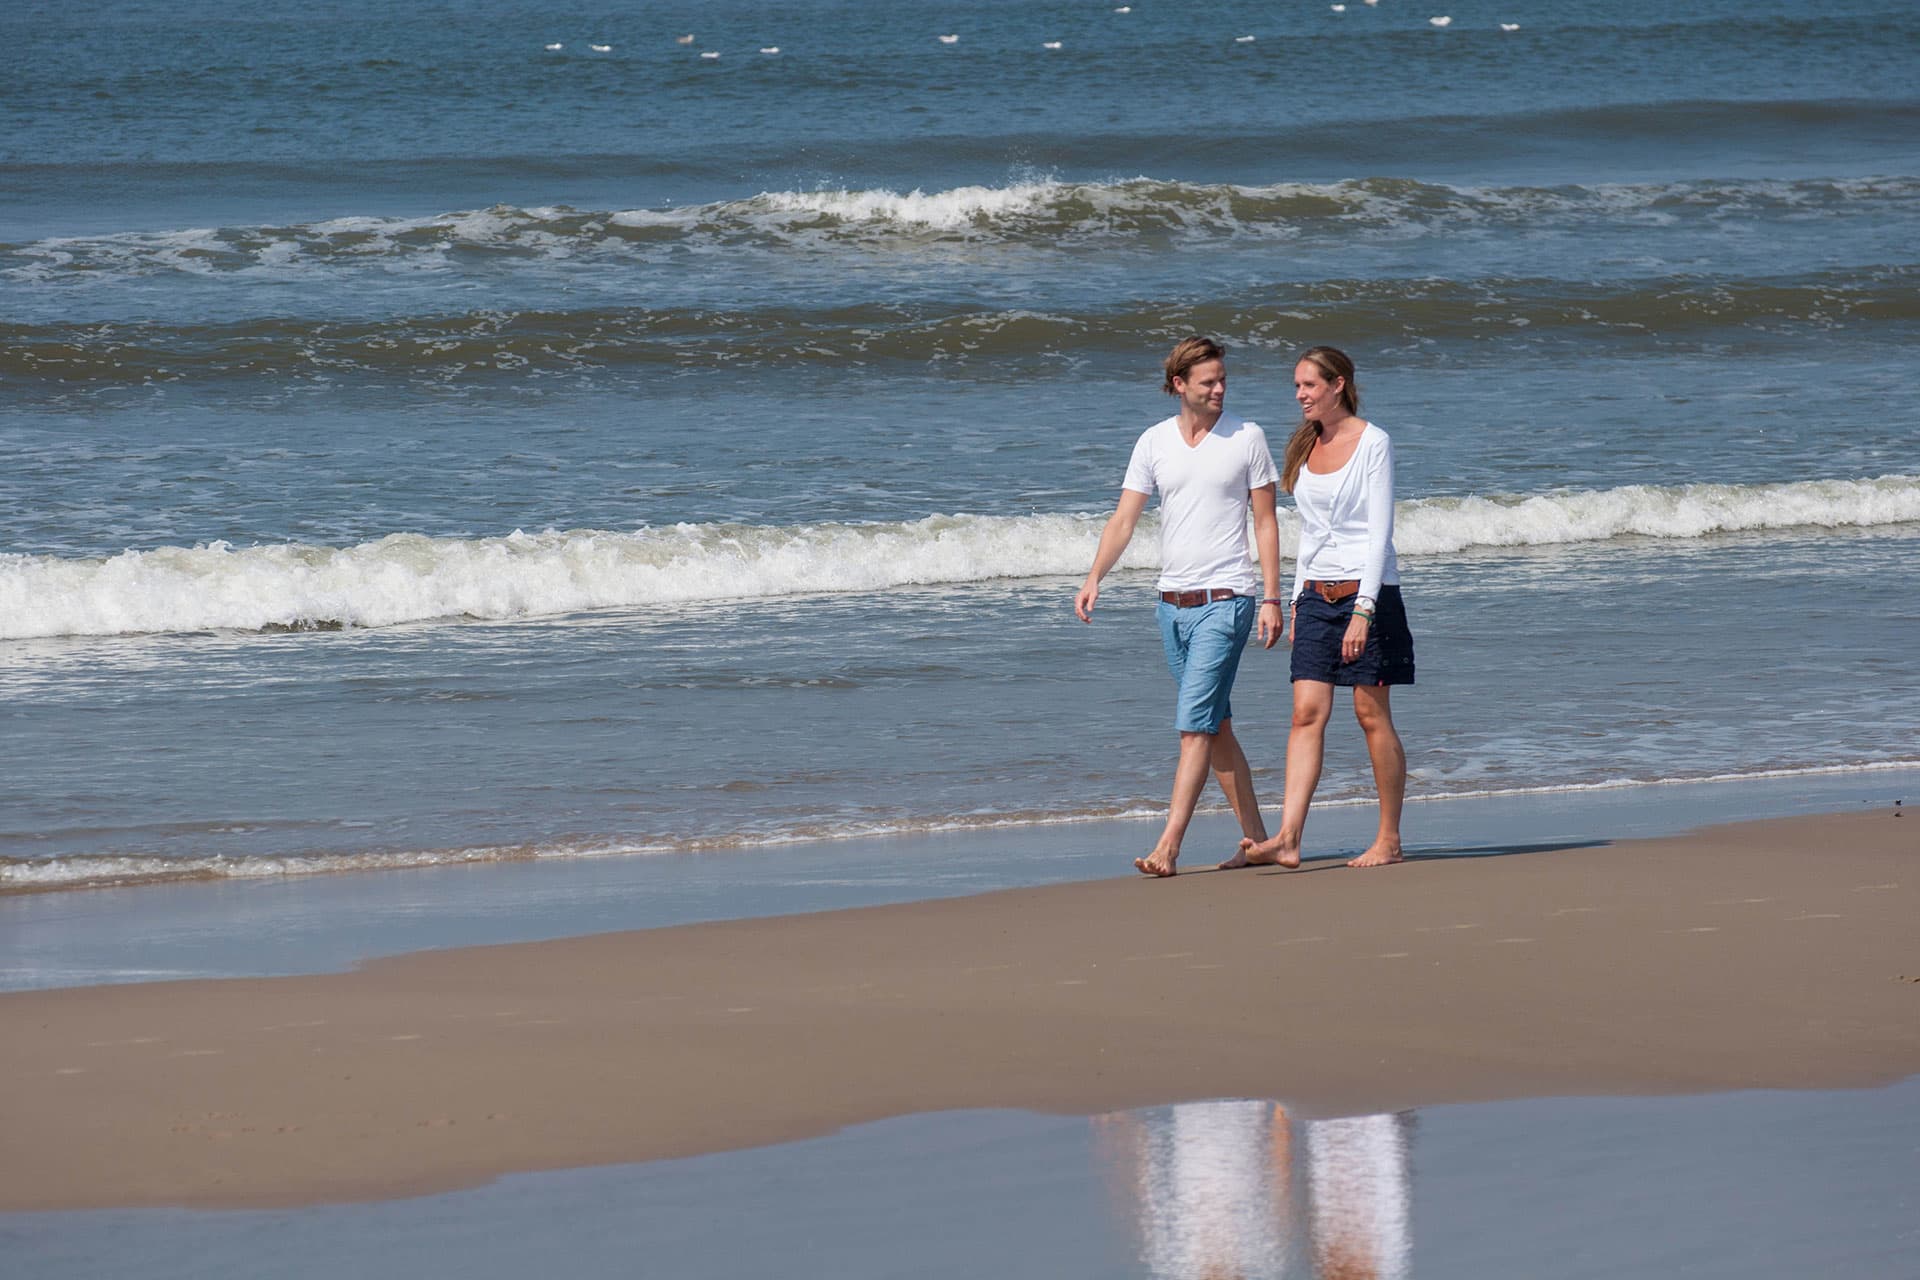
x=1266 y=544
x=1113 y=543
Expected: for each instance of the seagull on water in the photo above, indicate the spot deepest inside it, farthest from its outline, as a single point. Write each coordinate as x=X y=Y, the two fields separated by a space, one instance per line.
x=1243 y=39
x=710 y=56
x=1509 y=26
x=948 y=39
x=772 y=48
x=1125 y=8
x=555 y=48
x=686 y=39
x=1338 y=8
x=1440 y=22
x=601 y=48
x=1049 y=44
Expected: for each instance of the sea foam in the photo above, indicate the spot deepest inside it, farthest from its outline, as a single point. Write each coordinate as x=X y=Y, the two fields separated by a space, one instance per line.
x=409 y=577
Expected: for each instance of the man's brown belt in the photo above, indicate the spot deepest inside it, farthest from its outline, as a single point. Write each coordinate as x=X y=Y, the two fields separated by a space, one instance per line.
x=1192 y=599
x=1334 y=592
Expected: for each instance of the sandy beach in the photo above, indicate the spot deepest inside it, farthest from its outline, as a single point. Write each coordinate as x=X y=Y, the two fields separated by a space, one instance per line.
x=1776 y=954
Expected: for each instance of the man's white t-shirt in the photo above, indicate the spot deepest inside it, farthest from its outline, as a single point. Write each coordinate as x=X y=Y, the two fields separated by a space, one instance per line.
x=1203 y=500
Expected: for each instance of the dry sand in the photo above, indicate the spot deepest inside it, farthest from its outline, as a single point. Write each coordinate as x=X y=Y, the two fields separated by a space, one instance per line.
x=1777 y=954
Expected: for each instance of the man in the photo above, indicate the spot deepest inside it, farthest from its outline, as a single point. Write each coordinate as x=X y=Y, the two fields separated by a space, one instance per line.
x=1209 y=468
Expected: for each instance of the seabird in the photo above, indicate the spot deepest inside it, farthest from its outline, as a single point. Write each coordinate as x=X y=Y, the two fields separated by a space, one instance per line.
x=1050 y=44
x=1440 y=22
x=948 y=39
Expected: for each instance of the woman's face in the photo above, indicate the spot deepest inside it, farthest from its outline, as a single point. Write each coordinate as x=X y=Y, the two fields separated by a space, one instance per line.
x=1318 y=398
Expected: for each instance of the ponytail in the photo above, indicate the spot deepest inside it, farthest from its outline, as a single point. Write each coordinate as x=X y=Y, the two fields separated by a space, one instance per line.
x=1299 y=445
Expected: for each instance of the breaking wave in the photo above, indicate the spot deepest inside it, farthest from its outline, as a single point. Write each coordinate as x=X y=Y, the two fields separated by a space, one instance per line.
x=1041 y=213
x=408 y=577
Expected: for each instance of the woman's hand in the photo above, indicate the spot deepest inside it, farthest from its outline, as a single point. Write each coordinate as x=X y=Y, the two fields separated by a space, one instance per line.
x=1354 y=643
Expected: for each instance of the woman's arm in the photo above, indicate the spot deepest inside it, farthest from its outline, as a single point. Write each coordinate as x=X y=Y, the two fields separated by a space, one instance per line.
x=1378 y=488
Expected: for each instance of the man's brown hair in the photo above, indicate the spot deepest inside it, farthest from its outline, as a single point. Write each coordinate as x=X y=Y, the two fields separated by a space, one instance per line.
x=1187 y=353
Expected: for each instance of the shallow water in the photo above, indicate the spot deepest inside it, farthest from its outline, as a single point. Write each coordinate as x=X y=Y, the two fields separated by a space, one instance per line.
x=428 y=446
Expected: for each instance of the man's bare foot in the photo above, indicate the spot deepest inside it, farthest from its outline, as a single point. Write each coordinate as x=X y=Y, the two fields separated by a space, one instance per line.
x=1277 y=852
x=1381 y=853
x=1158 y=863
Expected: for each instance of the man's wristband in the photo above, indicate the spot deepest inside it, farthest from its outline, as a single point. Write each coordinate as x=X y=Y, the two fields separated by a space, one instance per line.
x=1273 y=600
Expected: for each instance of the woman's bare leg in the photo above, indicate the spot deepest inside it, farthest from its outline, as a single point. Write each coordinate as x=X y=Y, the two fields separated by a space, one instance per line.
x=1374 y=710
x=1306 y=749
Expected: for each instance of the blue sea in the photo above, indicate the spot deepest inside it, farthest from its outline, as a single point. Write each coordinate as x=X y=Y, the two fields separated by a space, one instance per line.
x=480 y=430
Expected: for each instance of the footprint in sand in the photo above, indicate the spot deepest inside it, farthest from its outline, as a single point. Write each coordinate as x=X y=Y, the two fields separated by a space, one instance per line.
x=195 y=1053
x=1572 y=911
x=1497 y=941
x=407 y=1037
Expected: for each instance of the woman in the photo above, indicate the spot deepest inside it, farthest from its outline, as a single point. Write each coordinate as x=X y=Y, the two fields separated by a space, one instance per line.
x=1347 y=625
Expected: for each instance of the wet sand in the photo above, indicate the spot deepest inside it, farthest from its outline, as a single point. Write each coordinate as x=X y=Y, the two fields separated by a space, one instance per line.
x=1774 y=954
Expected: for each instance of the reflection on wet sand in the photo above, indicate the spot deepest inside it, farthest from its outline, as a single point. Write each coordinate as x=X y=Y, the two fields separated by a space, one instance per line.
x=1239 y=1189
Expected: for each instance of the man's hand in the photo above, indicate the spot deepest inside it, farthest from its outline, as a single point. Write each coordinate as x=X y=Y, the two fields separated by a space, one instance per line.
x=1083 y=601
x=1270 y=624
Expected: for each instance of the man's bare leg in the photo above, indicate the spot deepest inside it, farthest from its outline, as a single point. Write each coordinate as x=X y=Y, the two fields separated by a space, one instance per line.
x=1231 y=771
x=1189 y=780
x=1306 y=748
x=1375 y=713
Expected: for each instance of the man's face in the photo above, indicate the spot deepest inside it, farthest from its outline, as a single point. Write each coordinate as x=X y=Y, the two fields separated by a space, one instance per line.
x=1204 y=390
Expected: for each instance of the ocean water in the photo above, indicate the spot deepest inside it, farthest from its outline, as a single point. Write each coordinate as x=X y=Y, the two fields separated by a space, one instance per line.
x=427 y=446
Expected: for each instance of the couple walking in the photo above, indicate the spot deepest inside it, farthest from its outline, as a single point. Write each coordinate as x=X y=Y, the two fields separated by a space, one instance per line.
x=1343 y=616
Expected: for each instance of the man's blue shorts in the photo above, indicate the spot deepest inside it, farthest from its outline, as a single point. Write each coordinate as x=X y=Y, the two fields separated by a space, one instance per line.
x=1203 y=647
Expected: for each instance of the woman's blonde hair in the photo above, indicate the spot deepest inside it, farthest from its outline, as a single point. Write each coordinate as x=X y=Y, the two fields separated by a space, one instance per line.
x=1333 y=364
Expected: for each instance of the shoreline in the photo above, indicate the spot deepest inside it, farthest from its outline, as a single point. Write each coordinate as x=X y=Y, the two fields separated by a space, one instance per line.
x=1770 y=954
x=16 y=876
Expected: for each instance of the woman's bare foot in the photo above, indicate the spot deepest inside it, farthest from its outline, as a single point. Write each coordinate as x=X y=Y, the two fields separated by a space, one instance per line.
x=1277 y=852
x=1158 y=863
x=1381 y=853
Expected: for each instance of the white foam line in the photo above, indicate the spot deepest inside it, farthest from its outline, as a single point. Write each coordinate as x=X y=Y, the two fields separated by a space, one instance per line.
x=132 y=872
x=412 y=578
